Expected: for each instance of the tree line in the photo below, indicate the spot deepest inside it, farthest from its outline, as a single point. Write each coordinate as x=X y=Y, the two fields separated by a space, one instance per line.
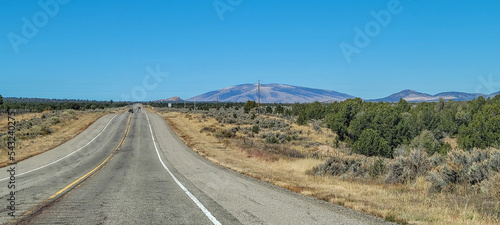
x=39 y=105
x=377 y=129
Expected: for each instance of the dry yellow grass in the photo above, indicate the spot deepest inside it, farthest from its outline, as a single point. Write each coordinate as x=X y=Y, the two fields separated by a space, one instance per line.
x=451 y=141
x=409 y=203
x=62 y=132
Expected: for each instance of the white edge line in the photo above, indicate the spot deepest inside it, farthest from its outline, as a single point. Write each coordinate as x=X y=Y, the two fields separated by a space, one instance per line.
x=41 y=167
x=195 y=200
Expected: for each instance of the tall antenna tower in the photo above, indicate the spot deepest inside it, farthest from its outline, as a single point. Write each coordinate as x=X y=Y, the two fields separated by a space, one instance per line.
x=259 y=92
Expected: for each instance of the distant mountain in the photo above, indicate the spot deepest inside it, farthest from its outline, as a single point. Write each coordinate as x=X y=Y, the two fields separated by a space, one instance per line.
x=494 y=94
x=458 y=96
x=408 y=95
x=271 y=93
x=413 y=96
x=171 y=99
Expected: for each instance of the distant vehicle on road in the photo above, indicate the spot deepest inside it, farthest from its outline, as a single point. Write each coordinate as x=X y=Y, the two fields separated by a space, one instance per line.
x=131 y=111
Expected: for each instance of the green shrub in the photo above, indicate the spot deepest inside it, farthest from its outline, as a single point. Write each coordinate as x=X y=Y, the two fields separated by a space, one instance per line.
x=371 y=144
x=255 y=129
x=464 y=168
x=279 y=109
x=436 y=160
x=427 y=142
x=398 y=171
x=271 y=139
x=227 y=133
x=492 y=186
x=45 y=130
x=437 y=182
x=39 y=130
x=269 y=109
x=249 y=105
x=55 y=120
x=70 y=114
x=407 y=169
x=335 y=166
x=477 y=172
x=301 y=119
x=378 y=168
x=351 y=166
x=209 y=129
x=494 y=161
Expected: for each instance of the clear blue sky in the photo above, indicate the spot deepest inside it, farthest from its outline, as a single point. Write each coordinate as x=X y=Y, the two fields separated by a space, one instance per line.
x=101 y=49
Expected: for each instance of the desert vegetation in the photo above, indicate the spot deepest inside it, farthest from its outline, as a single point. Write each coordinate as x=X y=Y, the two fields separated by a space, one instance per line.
x=437 y=151
x=39 y=105
x=37 y=132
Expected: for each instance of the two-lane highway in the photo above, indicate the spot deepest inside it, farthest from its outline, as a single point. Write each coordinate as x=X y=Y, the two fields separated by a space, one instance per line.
x=153 y=178
x=134 y=188
x=40 y=177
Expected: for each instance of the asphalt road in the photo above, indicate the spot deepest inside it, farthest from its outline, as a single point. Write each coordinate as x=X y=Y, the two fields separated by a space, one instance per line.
x=131 y=168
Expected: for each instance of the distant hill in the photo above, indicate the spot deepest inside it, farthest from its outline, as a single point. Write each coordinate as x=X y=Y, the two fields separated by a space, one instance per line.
x=413 y=96
x=271 y=93
x=494 y=94
x=282 y=93
x=171 y=99
x=458 y=96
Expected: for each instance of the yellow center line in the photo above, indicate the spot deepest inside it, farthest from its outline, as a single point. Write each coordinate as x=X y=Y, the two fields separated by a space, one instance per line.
x=100 y=166
x=96 y=168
